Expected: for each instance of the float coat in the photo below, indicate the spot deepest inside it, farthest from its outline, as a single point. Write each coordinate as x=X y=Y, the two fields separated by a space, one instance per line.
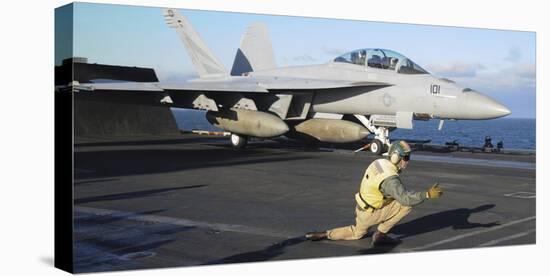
x=369 y=194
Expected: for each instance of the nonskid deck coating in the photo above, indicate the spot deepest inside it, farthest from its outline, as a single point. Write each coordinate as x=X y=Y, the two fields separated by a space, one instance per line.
x=192 y=200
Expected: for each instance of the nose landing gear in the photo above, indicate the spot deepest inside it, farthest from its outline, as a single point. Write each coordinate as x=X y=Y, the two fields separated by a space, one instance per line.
x=381 y=142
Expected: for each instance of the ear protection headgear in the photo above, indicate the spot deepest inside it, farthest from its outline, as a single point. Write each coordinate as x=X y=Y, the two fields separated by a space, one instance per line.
x=398 y=150
x=395 y=158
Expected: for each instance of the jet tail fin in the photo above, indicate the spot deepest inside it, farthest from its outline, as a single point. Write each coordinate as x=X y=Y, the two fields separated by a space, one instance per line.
x=204 y=60
x=255 y=52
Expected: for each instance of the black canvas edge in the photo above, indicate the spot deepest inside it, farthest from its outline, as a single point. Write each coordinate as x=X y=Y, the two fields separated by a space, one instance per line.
x=64 y=140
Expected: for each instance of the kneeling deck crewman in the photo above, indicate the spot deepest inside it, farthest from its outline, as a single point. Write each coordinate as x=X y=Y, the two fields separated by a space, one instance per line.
x=382 y=199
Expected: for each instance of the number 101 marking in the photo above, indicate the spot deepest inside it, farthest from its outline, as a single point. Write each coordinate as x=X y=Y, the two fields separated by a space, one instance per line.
x=435 y=88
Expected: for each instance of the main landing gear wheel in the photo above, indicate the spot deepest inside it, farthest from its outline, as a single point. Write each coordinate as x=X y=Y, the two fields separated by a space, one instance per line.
x=238 y=141
x=376 y=147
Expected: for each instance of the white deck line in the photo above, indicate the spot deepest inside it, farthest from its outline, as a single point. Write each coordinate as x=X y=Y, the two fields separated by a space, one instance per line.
x=455 y=238
x=497 y=241
x=282 y=235
x=186 y=222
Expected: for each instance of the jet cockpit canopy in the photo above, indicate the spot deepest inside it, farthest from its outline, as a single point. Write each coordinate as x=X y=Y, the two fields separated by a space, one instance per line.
x=382 y=59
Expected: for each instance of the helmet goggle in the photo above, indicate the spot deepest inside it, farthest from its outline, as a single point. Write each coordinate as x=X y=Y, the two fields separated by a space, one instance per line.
x=402 y=149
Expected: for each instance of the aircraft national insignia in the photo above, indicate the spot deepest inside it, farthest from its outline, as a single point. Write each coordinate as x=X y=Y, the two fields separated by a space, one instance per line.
x=387 y=100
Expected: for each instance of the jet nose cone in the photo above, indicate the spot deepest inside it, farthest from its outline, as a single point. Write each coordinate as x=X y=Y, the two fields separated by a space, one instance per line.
x=499 y=110
x=479 y=106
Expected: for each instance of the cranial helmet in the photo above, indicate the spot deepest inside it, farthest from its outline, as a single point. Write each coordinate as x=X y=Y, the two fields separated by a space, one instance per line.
x=398 y=150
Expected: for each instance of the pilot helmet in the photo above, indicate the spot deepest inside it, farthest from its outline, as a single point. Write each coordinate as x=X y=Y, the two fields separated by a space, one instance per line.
x=399 y=150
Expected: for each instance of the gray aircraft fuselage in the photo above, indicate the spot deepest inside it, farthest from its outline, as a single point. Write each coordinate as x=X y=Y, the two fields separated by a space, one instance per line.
x=414 y=93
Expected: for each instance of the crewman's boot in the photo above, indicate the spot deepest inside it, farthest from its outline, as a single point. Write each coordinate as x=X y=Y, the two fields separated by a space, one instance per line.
x=316 y=236
x=380 y=238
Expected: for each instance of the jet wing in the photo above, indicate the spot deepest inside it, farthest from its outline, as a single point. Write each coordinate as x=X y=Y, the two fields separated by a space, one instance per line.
x=209 y=94
x=265 y=84
x=313 y=84
x=239 y=85
x=119 y=86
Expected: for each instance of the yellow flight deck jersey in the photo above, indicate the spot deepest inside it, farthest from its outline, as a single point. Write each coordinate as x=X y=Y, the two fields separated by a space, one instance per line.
x=369 y=192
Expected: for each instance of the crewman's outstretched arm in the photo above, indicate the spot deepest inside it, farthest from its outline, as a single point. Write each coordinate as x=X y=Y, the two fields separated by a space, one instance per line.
x=392 y=187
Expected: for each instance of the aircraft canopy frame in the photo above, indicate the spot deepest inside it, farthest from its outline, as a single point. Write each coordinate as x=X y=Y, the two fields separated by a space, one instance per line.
x=382 y=59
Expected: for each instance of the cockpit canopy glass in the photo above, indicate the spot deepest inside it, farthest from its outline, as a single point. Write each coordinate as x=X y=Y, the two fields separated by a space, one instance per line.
x=383 y=59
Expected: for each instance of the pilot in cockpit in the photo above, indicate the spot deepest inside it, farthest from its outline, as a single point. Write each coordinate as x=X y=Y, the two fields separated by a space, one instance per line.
x=393 y=63
x=362 y=57
x=359 y=57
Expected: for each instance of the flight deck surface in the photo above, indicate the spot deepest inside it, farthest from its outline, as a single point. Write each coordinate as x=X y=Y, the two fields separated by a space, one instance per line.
x=192 y=200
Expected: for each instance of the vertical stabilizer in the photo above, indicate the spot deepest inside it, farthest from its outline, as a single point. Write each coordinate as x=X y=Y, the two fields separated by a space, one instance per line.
x=255 y=53
x=205 y=62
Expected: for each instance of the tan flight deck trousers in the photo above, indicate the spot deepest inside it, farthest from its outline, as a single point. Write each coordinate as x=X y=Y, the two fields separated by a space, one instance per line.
x=386 y=218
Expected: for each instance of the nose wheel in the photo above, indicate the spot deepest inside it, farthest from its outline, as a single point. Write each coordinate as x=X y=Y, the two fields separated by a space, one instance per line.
x=377 y=147
x=238 y=141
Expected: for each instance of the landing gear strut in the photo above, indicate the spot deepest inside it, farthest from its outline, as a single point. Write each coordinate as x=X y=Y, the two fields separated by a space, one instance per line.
x=238 y=141
x=381 y=142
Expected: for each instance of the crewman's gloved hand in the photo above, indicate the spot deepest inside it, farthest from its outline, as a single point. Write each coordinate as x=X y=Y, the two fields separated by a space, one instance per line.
x=434 y=192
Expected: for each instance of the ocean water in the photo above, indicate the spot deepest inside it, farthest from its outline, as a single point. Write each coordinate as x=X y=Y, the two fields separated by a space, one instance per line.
x=515 y=133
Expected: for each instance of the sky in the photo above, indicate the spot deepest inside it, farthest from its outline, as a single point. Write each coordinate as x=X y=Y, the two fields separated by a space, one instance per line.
x=498 y=63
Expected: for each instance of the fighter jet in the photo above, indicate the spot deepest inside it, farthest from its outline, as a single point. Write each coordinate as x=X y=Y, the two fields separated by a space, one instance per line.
x=366 y=91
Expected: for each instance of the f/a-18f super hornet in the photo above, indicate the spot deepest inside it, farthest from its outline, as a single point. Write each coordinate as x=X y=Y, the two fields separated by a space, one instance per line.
x=366 y=91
